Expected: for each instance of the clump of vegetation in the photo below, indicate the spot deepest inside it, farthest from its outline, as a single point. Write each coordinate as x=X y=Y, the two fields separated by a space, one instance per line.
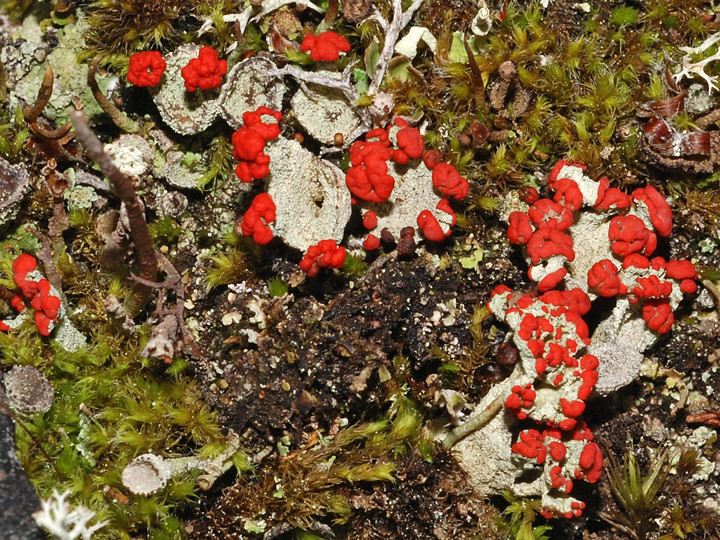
x=13 y=134
x=582 y=78
x=519 y=517
x=462 y=372
x=276 y=287
x=354 y=266
x=134 y=25
x=635 y=492
x=112 y=406
x=306 y=485
x=221 y=162
x=164 y=230
x=227 y=267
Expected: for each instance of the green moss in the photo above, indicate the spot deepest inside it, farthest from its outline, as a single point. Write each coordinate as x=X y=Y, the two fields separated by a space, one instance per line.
x=306 y=484
x=13 y=135
x=655 y=90
x=221 y=151
x=606 y=94
x=17 y=8
x=656 y=11
x=519 y=518
x=164 y=230
x=354 y=265
x=112 y=406
x=231 y=265
x=624 y=16
x=696 y=26
x=276 y=287
x=22 y=347
x=585 y=78
x=635 y=492
x=498 y=164
x=135 y=25
x=220 y=32
x=683 y=122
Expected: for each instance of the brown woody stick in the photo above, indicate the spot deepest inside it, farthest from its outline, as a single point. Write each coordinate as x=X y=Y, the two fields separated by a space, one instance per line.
x=124 y=189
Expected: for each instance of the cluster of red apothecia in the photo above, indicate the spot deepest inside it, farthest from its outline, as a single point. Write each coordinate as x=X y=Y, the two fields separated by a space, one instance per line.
x=207 y=70
x=549 y=326
x=36 y=293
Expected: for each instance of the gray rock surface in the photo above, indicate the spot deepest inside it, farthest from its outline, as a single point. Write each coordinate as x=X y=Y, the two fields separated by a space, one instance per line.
x=18 y=499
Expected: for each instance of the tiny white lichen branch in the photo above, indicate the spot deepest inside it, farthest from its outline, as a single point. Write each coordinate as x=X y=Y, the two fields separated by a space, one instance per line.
x=243 y=17
x=690 y=68
x=705 y=45
x=378 y=18
x=399 y=21
x=62 y=521
x=246 y=15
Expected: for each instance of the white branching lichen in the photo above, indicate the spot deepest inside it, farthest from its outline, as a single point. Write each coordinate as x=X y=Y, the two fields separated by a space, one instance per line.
x=252 y=14
x=690 y=68
x=63 y=521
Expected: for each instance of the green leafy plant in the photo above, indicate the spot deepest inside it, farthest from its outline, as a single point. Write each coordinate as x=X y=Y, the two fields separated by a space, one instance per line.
x=624 y=16
x=276 y=287
x=13 y=135
x=636 y=493
x=228 y=267
x=519 y=517
x=354 y=266
x=114 y=406
x=681 y=527
x=305 y=485
x=220 y=164
x=165 y=230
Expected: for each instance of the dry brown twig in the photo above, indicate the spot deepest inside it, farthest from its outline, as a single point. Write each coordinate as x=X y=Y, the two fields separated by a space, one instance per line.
x=710 y=417
x=139 y=234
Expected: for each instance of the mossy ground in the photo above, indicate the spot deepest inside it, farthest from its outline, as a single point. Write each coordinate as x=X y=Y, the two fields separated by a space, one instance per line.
x=334 y=385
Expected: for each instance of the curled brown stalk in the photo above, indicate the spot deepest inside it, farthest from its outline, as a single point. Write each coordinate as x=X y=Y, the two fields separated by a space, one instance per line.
x=124 y=189
x=50 y=133
x=32 y=114
x=44 y=95
x=119 y=118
